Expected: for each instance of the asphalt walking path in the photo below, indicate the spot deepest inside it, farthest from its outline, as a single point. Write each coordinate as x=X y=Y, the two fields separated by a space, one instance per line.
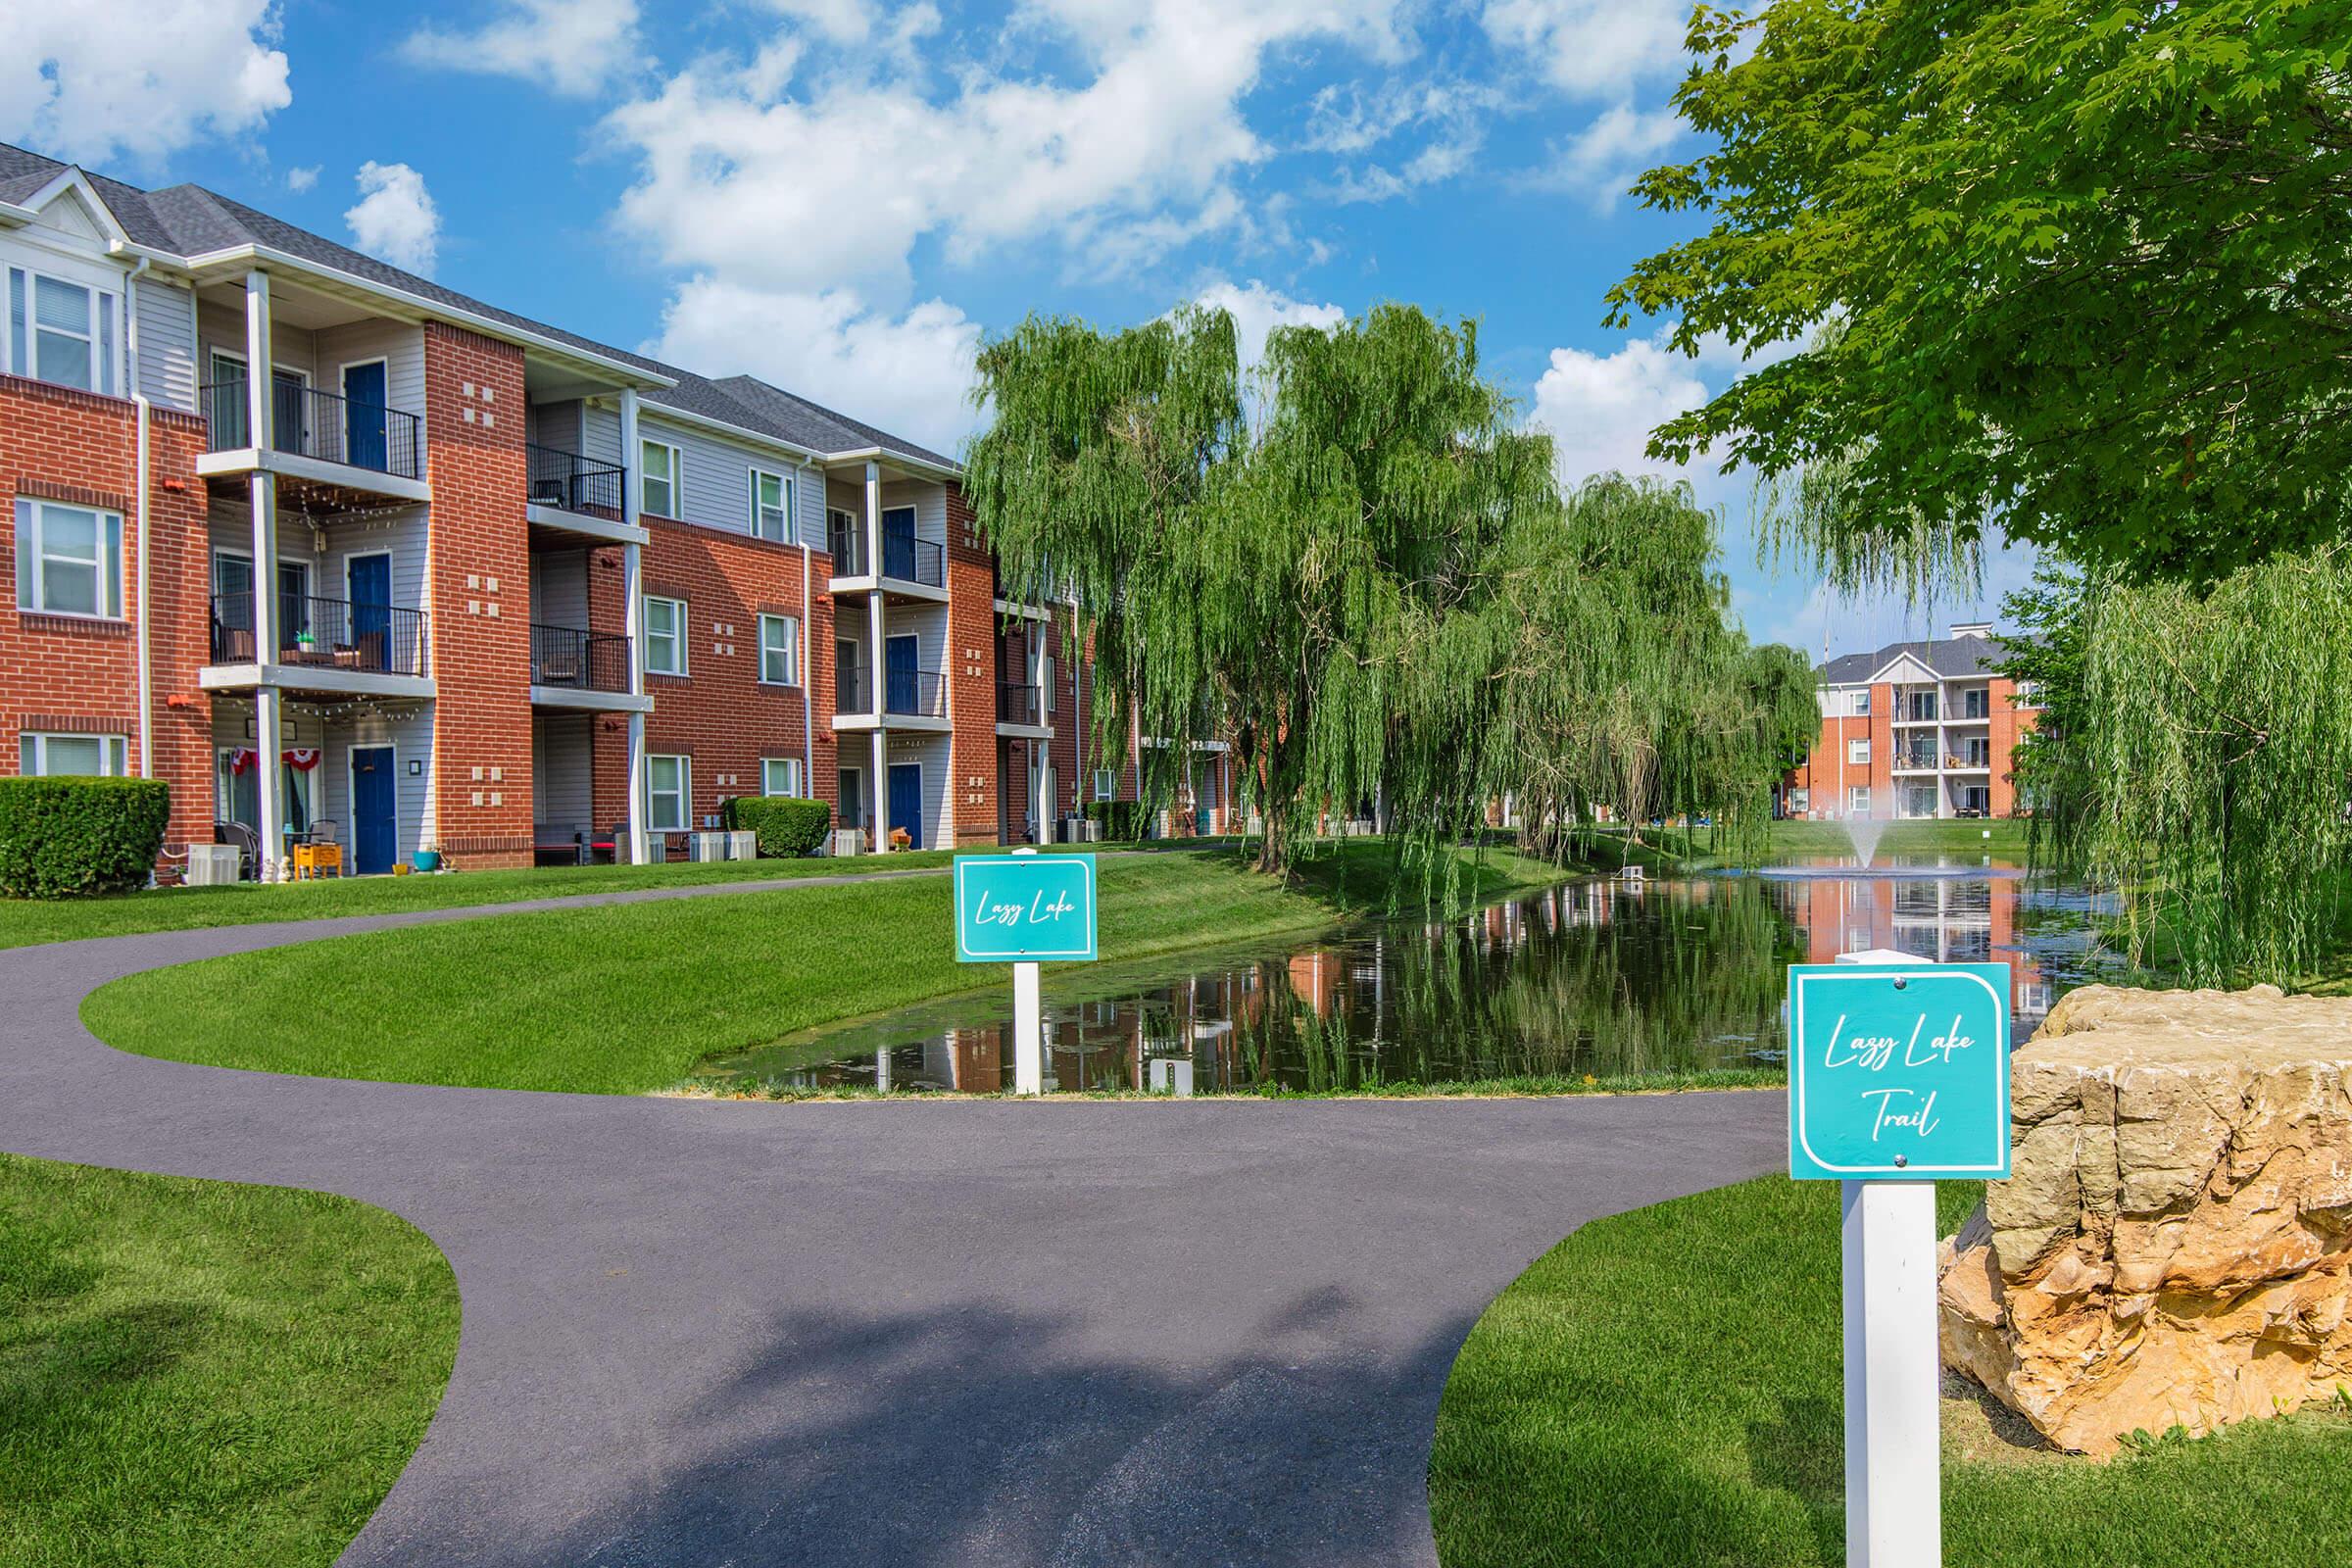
x=1058 y=1334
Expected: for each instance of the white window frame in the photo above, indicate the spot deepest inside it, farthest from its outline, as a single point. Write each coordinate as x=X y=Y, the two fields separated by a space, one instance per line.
x=684 y=793
x=300 y=792
x=1046 y=669
x=675 y=637
x=791 y=767
x=790 y=650
x=1857 y=799
x=785 y=502
x=1862 y=702
x=101 y=323
x=34 y=555
x=1857 y=754
x=32 y=753
x=676 y=480
x=1106 y=785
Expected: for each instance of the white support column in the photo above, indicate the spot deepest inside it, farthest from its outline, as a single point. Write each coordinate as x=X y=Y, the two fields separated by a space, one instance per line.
x=632 y=587
x=268 y=714
x=1894 y=1499
x=874 y=652
x=1028 y=1024
x=1045 y=747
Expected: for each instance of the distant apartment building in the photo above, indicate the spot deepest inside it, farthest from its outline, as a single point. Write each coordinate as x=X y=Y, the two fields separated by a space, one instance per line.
x=342 y=554
x=1917 y=729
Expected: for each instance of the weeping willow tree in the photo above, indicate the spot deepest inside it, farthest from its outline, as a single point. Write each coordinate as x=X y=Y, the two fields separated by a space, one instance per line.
x=1297 y=563
x=1629 y=689
x=2197 y=756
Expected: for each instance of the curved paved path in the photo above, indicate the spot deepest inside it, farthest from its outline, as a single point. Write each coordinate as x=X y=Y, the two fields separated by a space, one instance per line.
x=969 y=1333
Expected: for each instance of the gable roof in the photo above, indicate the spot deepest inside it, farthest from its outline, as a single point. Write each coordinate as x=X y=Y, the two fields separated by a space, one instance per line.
x=188 y=221
x=1949 y=658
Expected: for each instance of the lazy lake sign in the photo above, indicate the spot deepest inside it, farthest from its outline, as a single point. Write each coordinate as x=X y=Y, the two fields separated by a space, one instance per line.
x=1024 y=908
x=1899 y=1072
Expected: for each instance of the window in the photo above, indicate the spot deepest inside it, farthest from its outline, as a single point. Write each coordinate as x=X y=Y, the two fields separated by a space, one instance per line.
x=68 y=560
x=1105 y=784
x=237 y=791
x=771 y=507
x=1046 y=668
x=664 y=636
x=1976 y=703
x=59 y=331
x=669 y=793
x=1857 y=753
x=658 y=472
x=58 y=756
x=1857 y=801
x=780 y=775
x=1862 y=702
x=780 y=650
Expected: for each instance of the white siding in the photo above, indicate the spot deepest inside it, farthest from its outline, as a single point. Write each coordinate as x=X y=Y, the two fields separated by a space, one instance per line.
x=401 y=534
x=409 y=732
x=560 y=588
x=600 y=435
x=399 y=345
x=931 y=752
x=563 y=753
x=222 y=327
x=929 y=625
x=930 y=503
x=168 y=371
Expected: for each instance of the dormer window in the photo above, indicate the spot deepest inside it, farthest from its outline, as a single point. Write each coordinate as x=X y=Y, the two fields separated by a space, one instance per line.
x=59 y=331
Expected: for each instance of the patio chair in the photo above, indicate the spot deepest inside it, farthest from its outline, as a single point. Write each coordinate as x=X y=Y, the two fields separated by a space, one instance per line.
x=248 y=843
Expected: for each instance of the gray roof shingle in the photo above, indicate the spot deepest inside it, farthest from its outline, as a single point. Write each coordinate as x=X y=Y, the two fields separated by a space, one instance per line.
x=189 y=221
x=1951 y=657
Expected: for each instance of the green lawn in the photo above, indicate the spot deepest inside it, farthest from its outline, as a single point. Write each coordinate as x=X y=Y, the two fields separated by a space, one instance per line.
x=1663 y=1389
x=198 y=1373
x=626 y=998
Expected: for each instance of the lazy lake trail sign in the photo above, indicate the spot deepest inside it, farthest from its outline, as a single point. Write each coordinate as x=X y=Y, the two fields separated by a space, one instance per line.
x=1898 y=1073
x=1024 y=908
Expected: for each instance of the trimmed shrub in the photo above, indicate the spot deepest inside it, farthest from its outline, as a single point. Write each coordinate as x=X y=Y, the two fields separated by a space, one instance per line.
x=786 y=826
x=1123 y=821
x=63 y=837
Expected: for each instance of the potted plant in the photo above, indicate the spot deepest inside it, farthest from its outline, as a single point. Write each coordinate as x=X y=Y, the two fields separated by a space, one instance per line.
x=899 y=838
x=428 y=858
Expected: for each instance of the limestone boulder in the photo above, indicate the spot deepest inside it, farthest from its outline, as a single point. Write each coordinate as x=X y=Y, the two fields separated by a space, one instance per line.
x=2174 y=1247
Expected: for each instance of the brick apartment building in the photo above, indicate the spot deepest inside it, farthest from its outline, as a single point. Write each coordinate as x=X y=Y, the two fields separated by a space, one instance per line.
x=472 y=582
x=1917 y=729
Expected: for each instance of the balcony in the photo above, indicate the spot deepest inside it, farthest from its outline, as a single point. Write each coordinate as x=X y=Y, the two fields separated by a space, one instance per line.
x=581 y=669
x=570 y=482
x=914 y=694
x=904 y=560
x=328 y=452
x=1016 y=704
x=917 y=695
x=324 y=645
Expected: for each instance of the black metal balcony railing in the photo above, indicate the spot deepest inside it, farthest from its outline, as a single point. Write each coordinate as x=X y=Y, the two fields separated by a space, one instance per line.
x=328 y=633
x=915 y=693
x=574 y=483
x=850 y=691
x=907 y=558
x=1016 y=704
x=588 y=661
x=317 y=424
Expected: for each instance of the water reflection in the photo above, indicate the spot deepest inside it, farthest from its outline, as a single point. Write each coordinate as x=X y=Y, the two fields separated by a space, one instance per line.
x=1595 y=977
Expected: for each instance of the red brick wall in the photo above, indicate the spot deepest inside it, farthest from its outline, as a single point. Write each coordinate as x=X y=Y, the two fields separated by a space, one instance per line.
x=67 y=676
x=478 y=598
x=719 y=713
x=972 y=675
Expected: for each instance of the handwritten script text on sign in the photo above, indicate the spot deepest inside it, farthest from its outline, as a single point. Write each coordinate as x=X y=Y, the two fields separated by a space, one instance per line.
x=1024 y=908
x=1889 y=1080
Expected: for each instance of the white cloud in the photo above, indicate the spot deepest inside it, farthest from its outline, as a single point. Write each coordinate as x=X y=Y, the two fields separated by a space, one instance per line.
x=1601 y=409
x=1604 y=160
x=837 y=185
x=299 y=180
x=567 y=46
x=1353 y=122
x=1258 y=311
x=911 y=373
x=396 y=220
x=97 y=78
x=1591 y=48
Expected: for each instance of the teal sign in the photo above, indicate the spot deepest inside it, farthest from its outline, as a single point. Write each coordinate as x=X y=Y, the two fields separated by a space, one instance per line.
x=1899 y=1072
x=1024 y=908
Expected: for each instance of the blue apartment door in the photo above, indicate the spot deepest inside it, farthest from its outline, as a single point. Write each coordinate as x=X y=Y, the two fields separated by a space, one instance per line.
x=906 y=799
x=900 y=677
x=371 y=612
x=374 y=826
x=898 y=543
x=363 y=443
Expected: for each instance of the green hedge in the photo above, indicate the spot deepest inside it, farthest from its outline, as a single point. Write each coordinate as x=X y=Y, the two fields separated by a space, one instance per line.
x=59 y=837
x=787 y=827
x=1123 y=821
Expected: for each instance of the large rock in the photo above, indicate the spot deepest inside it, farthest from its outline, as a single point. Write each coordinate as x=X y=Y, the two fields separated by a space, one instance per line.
x=2175 y=1244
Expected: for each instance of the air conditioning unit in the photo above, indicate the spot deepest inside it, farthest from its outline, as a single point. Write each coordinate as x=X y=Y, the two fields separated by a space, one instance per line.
x=848 y=841
x=707 y=846
x=212 y=866
x=743 y=846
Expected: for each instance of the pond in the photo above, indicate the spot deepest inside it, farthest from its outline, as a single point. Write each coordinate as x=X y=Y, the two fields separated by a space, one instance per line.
x=1599 y=977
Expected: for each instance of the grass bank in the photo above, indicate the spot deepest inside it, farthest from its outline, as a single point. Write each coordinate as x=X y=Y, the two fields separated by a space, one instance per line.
x=204 y=1375
x=628 y=998
x=1525 y=1087
x=1662 y=1390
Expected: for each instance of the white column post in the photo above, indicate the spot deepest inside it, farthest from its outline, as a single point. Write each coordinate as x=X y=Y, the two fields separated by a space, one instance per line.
x=268 y=728
x=1893 y=1501
x=873 y=653
x=1028 y=1026
x=632 y=587
x=1045 y=757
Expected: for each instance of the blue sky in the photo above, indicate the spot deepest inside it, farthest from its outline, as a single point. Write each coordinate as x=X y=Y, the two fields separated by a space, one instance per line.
x=845 y=195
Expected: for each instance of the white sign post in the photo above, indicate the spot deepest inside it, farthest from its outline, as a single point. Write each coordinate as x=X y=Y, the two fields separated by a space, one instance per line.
x=1893 y=1486
x=1028 y=1024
